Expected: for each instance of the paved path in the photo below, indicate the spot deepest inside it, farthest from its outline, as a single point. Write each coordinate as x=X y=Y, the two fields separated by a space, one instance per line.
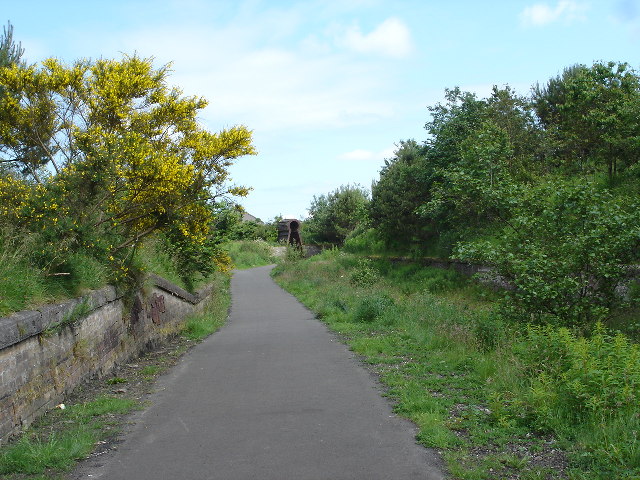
x=271 y=396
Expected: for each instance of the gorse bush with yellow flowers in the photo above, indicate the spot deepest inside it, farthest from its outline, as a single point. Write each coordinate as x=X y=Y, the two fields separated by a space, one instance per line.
x=98 y=156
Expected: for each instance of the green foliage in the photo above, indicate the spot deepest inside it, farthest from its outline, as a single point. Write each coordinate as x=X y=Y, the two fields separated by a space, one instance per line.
x=584 y=389
x=563 y=251
x=584 y=376
x=266 y=231
x=405 y=181
x=59 y=452
x=334 y=216
x=33 y=454
x=482 y=155
x=10 y=51
x=24 y=285
x=591 y=116
x=490 y=330
x=487 y=146
x=21 y=284
x=365 y=240
x=116 y=380
x=371 y=307
x=230 y=226
x=201 y=325
x=153 y=255
x=364 y=275
x=104 y=405
x=412 y=277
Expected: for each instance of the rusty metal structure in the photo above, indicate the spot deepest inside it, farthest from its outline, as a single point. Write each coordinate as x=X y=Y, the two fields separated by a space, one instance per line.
x=289 y=232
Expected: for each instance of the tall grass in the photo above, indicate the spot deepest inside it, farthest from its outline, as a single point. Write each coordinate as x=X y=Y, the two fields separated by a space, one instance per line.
x=250 y=253
x=22 y=285
x=203 y=324
x=500 y=400
x=153 y=256
x=59 y=450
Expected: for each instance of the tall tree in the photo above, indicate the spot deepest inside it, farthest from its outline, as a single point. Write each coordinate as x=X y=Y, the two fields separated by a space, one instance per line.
x=592 y=116
x=10 y=51
x=404 y=184
x=334 y=215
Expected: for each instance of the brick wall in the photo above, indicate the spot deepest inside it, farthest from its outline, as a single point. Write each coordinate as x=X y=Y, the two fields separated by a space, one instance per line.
x=41 y=362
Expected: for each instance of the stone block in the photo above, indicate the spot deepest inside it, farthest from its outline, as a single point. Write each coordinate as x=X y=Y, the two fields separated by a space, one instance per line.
x=53 y=314
x=174 y=289
x=19 y=326
x=102 y=296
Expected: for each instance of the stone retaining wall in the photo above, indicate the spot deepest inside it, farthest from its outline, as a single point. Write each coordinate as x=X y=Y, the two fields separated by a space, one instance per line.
x=46 y=353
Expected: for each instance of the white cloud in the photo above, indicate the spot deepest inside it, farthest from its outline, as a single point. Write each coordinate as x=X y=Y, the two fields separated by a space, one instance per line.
x=268 y=86
x=391 y=38
x=361 y=155
x=271 y=68
x=542 y=14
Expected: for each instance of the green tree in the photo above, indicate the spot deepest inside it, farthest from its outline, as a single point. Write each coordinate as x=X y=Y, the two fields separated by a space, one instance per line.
x=10 y=51
x=404 y=184
x=592 y=117
x=563 y=250
x=478 y=148
x=471 y=195
x=334 y=215
x=452 y=122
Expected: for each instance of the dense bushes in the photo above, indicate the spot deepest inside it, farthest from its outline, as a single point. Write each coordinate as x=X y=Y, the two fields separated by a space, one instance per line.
x=543 y=188
x=564 y=252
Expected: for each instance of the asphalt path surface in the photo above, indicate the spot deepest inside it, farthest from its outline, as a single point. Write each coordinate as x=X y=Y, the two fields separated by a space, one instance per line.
x=273 y=395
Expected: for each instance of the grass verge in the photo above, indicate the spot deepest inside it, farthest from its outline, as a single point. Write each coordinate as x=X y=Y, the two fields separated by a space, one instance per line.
x=250 y=253
x=479 y=388
x=47 y=449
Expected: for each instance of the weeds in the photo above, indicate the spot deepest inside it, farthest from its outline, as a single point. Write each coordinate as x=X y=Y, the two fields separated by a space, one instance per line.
x=23 y=285
x=116 y=380
x=203 y=324
x=38 y=451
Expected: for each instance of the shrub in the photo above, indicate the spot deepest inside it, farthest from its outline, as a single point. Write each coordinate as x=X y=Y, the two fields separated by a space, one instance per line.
x=582 y=376
x=364 y=275
x=563 y=251
x=582 y=389
x=489 y=330
x=371 y=307
x=364 y=240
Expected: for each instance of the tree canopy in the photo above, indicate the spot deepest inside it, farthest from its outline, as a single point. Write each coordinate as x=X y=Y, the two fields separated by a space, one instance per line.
x=334 y=215
x=542 y=187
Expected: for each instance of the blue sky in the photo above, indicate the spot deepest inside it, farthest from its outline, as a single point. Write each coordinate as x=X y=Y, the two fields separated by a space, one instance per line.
x=329 y=87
